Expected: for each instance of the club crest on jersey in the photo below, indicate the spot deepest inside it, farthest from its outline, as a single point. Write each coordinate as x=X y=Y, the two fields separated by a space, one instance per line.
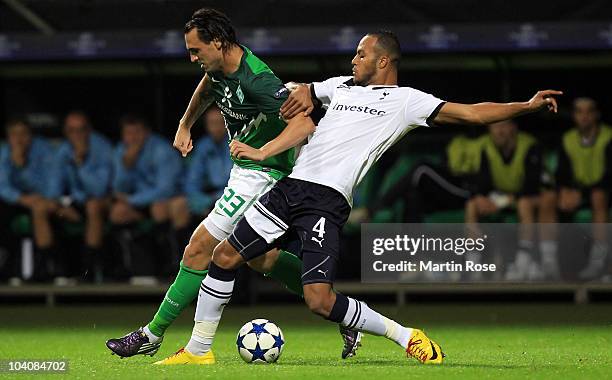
x=239 y=93
x=227 y=94
x=280 y=93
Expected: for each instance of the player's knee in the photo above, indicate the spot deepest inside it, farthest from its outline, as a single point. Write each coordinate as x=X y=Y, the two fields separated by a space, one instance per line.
x=226 y=256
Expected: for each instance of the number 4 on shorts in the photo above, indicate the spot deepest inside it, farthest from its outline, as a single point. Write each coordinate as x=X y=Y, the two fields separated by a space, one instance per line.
x=319 y=227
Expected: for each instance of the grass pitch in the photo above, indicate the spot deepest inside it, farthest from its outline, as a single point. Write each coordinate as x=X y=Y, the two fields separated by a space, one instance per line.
x=481 y=341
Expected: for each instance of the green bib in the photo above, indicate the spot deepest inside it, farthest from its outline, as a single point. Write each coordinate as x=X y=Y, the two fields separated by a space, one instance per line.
x=464 y=154
x=509 y=177
x=588 y=162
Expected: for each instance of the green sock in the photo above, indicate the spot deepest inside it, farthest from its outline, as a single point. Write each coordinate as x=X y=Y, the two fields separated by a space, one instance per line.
x=181 y=293
x=288 y=270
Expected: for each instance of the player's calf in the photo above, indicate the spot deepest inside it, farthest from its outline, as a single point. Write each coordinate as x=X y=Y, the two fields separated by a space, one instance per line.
x=264 y=263
x=319 y=298
x=356 y=315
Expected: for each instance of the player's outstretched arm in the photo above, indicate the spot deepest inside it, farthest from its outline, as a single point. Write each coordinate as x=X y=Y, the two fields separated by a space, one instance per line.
x=298 y=129
x=487 y=113
x=200 y=100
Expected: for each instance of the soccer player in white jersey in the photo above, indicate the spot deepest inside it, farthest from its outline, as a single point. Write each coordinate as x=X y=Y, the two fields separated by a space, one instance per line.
x=367 y=114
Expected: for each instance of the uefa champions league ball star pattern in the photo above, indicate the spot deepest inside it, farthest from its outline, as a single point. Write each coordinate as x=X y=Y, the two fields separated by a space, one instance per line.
x=260 y=341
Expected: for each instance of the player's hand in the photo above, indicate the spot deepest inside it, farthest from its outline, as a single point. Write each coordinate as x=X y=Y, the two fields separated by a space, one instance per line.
x=299 y=101
x=244 y=152
x=543 y=99
x=182 y=140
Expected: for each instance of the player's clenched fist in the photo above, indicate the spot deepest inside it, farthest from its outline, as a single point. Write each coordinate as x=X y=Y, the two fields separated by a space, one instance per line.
x=182 y=140
x=543 y=99
x=244 y=152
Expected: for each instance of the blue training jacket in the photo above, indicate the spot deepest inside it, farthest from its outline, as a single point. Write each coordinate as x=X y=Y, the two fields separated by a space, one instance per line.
x=91 y=179
x=155 y=175
x=207 y=174
x=33 y=178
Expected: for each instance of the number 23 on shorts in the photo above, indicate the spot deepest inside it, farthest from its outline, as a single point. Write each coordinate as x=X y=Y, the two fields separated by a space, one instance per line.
x=230 y=203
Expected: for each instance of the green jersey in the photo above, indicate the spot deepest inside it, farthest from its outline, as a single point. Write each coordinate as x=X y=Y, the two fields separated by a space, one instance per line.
x=250 y=99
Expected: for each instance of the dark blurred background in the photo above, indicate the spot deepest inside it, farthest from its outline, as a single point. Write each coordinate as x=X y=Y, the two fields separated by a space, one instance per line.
x=108 y=58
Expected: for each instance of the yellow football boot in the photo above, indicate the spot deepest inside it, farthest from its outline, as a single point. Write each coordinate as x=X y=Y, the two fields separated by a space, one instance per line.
x=183 y=356
x=424 y=349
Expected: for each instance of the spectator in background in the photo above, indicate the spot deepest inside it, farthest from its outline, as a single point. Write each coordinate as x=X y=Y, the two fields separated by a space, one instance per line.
x=429 y=187
x=24 y=178
x=510 y=176
x=147 y=174
x=80 y=185
x=206 y=176
x=584 y=177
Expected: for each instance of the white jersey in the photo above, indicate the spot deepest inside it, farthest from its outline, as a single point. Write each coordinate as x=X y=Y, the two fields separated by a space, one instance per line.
x=361 y=123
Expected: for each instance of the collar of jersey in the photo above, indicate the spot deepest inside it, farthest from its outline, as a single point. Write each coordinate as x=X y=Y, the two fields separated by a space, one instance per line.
x=378 y=87
x=245 y=53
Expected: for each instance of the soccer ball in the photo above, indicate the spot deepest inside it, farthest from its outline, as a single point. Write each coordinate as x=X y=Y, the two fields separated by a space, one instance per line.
x=260 y=341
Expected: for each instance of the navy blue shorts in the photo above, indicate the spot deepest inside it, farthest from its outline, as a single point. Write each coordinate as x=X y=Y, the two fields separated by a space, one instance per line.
x=302 y=217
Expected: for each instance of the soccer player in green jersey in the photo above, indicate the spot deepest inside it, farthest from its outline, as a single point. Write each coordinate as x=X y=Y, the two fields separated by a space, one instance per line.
x=249 y=96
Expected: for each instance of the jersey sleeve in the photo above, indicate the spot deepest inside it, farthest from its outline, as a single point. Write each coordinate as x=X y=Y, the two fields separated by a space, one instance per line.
x=324 y=91
x=268 y=92
x=421 y=108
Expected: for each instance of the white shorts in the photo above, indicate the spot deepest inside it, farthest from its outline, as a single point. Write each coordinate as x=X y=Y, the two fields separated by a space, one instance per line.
x=244 y=187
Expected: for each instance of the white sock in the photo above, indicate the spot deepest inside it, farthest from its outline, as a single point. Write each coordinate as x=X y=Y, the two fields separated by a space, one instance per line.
x=396 y=332
x=360 y=317
x=152 y=337
x=214 y=295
